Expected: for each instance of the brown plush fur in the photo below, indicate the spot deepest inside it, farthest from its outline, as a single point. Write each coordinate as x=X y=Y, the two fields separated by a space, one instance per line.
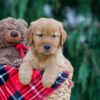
x=8 y=53
x=45 y=32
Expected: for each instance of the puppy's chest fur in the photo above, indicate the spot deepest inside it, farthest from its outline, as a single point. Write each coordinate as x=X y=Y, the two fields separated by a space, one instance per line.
x=57 y=60
x=42 y=64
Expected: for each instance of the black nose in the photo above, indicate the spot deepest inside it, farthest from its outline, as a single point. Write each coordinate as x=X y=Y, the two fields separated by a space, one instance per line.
x=47 y=47
x=14 y=34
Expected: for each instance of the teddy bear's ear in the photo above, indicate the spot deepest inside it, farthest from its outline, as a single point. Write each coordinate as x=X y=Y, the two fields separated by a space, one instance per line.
x=63 y=34
x=30 y=32
x=22 y=25
x=21 y=21
x=1 y=26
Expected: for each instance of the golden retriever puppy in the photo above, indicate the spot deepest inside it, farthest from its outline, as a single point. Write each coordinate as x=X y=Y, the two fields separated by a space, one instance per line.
x=46 y=38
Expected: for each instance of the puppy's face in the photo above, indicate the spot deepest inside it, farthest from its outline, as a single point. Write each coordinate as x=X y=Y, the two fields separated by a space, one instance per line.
x=46 y=36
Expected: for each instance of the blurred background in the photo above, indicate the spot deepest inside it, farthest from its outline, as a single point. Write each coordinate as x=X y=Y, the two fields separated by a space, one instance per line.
x=81 y=21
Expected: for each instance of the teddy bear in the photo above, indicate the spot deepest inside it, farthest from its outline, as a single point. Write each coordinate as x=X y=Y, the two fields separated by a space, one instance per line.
x=11 y=34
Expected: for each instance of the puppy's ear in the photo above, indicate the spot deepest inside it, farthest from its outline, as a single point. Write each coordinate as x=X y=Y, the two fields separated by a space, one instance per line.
x=29 y=36
x=63 y=34
x=30 y=32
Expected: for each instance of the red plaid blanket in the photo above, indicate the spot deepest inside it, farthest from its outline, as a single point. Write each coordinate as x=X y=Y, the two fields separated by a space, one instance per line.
x=11 y=89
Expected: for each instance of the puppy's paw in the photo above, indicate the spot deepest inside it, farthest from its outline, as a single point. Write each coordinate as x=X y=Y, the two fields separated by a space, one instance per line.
x=24 y=78
x=25 y=75
x=48 y=81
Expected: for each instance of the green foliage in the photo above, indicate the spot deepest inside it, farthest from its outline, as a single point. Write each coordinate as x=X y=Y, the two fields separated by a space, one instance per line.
x=85 y=57
x=84 y=74
x=19 y=7
x=82 y=47
x=86 y=5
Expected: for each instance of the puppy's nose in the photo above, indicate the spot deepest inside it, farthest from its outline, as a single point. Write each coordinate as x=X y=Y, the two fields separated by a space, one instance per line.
x=14 y=34
x=47 y=47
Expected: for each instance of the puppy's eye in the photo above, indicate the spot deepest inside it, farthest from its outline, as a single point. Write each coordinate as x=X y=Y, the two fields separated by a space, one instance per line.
x=54 y=35
x=40 y=35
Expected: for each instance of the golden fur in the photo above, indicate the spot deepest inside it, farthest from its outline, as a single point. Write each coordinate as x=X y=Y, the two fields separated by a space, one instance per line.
x=45 y=32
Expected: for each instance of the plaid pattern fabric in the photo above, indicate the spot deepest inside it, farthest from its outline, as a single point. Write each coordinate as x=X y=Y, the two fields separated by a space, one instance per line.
x=12 y=89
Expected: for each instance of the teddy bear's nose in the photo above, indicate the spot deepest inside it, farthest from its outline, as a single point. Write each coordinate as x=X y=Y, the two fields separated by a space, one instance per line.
x=14 y=34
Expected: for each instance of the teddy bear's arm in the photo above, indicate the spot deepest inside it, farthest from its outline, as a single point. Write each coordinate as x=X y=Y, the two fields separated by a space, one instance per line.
x=4 y=60
x=17 y=62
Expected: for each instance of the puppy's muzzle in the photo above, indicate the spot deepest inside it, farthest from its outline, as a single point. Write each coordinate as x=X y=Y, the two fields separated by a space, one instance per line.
x=47 y=47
